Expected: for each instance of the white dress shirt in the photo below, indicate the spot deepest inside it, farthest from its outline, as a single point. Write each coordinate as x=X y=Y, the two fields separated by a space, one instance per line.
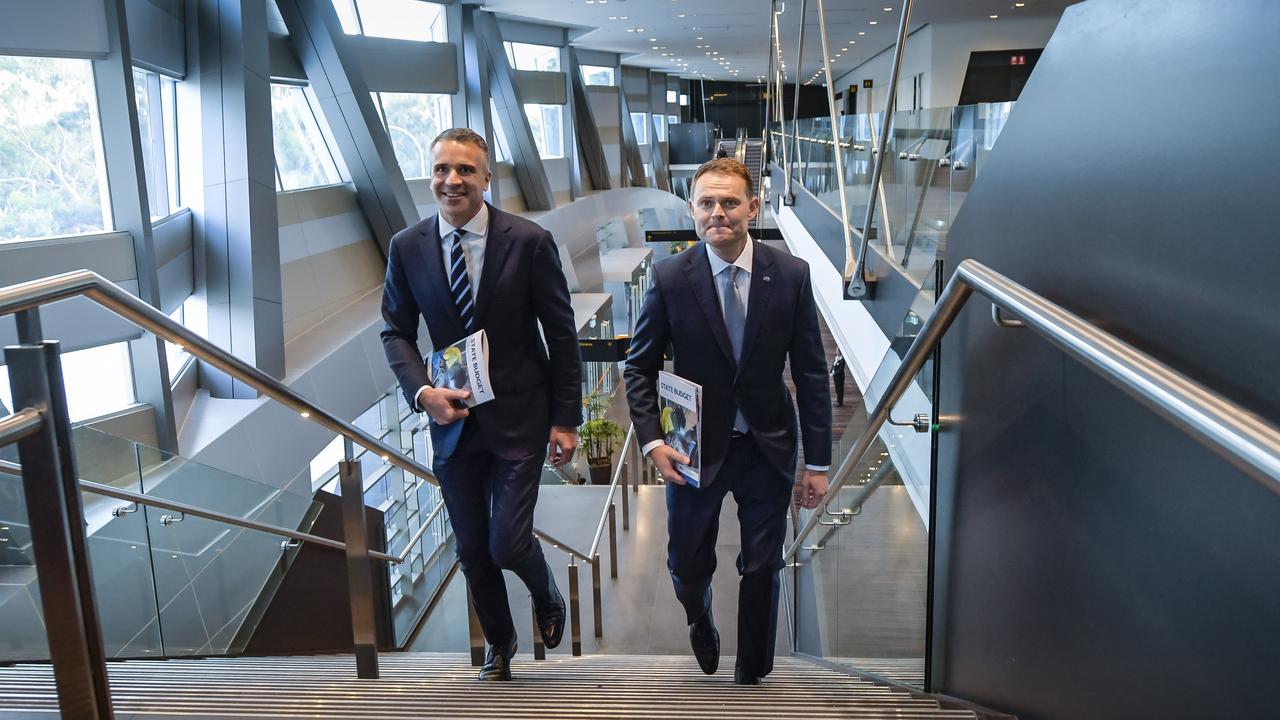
x=718 y=265
x=476 y=233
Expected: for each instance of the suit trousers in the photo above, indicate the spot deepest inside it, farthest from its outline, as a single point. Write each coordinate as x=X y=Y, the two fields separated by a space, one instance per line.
x=490 y=500
x=693 y=522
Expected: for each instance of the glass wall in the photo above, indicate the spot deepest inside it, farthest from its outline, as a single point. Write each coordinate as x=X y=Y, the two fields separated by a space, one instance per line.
x=413 y=120
x=597 y=75
x=546 y=122
x=99 y=381
x=397 y=19
x=640 y=123
x=156 y=99
x=526 y=56
x=302 y=157
x=51 y=165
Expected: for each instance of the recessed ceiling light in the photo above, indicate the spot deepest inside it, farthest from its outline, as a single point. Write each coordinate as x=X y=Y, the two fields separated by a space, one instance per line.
x=699 y=37
x=862 y=32
x=655 y=47
x=872 y=22
x=680 y=15
x=1019 y=4
x=613 y=17
x=653 y=39
x=889 y=9
x=993 y=17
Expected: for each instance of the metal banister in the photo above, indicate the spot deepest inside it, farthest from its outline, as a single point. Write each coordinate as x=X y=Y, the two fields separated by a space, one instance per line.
x=33 y=294
x=613 y=486
x=1247 y=441
x=19 y=425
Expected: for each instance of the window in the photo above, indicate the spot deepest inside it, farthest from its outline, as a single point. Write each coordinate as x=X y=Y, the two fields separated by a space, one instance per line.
x=639 y=122
x=524 y=56
x=156 y=100
x=413 y=120
x=194 y=315
x=50 y=152
x=597 y=75
x=302 y=157
x=399 y=19
x=548 y=131
x=673 y=119
x=500 y=151
x=684 y=100
x=99 y=381
x=673 y=96
x=660 y=128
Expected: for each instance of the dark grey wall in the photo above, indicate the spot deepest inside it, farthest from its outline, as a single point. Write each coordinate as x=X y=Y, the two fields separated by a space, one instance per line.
x=1091 y=560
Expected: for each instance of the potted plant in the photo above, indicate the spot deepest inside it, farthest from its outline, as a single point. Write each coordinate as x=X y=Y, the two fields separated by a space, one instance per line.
x=599 y=437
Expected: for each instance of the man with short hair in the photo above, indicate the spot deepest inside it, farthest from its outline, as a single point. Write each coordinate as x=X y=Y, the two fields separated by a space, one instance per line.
x=734 y=311
x=473 y=267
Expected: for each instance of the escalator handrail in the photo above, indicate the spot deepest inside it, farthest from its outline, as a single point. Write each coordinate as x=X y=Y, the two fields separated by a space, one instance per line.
x=1248 y=441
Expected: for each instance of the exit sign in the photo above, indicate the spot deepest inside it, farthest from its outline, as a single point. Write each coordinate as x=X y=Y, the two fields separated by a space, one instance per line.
x=1017 y=59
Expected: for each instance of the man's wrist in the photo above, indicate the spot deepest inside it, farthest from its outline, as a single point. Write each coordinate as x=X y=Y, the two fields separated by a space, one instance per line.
x=817 y=468
x=644 y=449
x=417 y=406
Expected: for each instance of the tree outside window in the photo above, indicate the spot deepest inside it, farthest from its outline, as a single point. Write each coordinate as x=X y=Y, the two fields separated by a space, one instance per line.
x=50 y=154
x=302 y=157
x=413 y=120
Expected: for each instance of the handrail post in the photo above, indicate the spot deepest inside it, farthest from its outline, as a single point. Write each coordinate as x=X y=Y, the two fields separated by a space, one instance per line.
x=633 y=453
x=575 y=612
x=475 y=633
x=595 y=595
x=539 y=649
x=613 y=539
x=795 y=104
x=857 y=283
x=835 y=129
x=359 y=574
x=56 y=520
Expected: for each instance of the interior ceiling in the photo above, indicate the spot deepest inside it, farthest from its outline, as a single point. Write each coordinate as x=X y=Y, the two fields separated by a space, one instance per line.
x=734 y=34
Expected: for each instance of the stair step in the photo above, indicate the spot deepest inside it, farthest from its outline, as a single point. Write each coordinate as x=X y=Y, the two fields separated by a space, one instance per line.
x=414 y=685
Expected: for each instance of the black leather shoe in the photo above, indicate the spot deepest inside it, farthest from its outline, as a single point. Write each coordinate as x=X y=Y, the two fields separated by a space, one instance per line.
x=741 y=678
x=705 y=640
x=551 y=616
x=497 y=662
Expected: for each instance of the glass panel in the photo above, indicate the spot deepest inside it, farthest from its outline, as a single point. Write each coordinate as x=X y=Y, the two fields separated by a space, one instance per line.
x=99 y=381
x=548 y=133
x=403 y=19
x=50 y=153
x=597 y=75
x=208 y=575
x=413 y=120
x=641 y=126
x=302 y=157
x=142 y=99
x=525 y=56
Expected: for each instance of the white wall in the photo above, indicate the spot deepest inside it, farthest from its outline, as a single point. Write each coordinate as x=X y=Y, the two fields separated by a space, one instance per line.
x=941 y=52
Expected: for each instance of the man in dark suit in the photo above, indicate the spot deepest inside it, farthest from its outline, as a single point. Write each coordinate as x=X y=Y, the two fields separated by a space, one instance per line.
x=734 y=312
x=473 y=267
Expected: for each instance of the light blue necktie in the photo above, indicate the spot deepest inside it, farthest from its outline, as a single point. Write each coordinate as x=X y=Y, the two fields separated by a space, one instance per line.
x=735 y=317
x=459 y=284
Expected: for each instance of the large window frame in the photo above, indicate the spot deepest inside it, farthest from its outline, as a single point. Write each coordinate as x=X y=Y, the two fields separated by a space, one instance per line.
x=437 y=118
x=599 y=75
x=547 y=125
x=158 y=137
x=532 y=56
x=98 y=381
x=52 y=167
x=320 y=167
x=394 y=19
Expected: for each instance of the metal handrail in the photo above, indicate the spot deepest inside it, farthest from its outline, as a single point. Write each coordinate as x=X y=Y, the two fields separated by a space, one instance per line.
x=563 y=546
x=89 y=284
x=195 y=511
x=19 y=425
x=1249 y=442
x=613 y=486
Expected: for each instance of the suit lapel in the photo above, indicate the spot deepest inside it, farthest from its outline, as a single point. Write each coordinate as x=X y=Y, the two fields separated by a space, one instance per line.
x=437 y=280
x=757 y=298
x=497 y=250
x=698 y=270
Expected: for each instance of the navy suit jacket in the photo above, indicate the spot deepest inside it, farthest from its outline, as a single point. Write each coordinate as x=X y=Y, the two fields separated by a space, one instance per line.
x=682 y=308
x=522 y=284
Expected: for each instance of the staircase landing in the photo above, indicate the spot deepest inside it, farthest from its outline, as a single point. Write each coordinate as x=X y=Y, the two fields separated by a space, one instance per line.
x=420 y=685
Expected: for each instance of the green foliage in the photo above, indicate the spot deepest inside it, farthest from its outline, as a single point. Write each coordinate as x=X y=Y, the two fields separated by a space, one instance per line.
x=48 y=153
x=599 y=435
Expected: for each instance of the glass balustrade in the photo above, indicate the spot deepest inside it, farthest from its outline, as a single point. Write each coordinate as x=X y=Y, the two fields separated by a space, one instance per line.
x=932 y=159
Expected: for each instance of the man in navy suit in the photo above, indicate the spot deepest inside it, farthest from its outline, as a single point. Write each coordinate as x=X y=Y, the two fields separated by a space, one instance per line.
x=473 y=267
x=734 y=311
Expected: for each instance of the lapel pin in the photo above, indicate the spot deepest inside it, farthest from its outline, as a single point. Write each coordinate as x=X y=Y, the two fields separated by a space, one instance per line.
x=765 y=278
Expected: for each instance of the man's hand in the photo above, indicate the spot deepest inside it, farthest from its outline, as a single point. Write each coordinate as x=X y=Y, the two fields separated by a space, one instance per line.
x=438 y=402
x=813 y=487
x=665 y=457
x=564 y=440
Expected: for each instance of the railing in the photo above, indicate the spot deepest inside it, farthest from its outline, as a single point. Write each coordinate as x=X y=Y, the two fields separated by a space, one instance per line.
x=1250 y=443
x=41 y=428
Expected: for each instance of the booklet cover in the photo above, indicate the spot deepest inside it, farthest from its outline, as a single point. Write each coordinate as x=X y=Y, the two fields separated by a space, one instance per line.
x=464 y=365
x=680 y=408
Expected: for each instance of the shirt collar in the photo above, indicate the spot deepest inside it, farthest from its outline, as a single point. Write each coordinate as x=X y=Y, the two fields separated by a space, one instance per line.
x=477 y=225
x=743 y=262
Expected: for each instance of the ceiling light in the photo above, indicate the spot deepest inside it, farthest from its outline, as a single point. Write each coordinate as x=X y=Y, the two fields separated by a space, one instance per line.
x=888 y=9
x=653 y=39
x=993 y=17
x=699 y=37
x=872 y=22
x=613 y=17
x=1019 y=4
x=862 y=32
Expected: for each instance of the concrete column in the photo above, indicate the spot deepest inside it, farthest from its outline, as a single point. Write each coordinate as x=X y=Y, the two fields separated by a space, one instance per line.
x=238 y=232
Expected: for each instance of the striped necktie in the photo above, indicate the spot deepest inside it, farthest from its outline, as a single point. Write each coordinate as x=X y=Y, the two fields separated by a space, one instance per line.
x=459 y=284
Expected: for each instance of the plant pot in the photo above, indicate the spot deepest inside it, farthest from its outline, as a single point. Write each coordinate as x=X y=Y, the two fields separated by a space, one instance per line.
x=601 y=474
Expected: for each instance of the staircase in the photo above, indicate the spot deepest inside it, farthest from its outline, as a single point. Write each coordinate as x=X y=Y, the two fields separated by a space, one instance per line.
x=417 y=685
x=751 y=158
